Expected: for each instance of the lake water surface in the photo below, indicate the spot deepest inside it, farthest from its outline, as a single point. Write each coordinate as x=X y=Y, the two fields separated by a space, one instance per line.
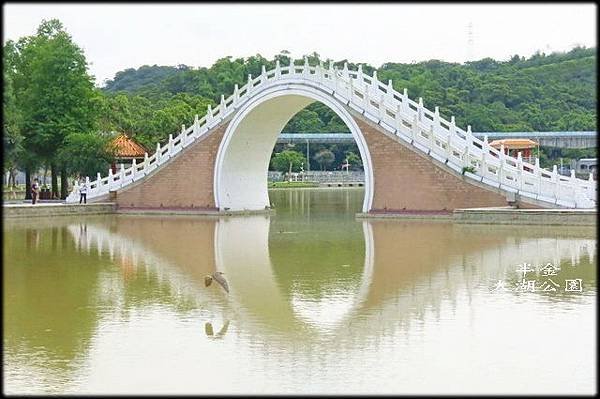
x=319 y=302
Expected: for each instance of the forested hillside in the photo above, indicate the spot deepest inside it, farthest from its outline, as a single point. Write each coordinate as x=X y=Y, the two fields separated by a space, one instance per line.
x=540 y=93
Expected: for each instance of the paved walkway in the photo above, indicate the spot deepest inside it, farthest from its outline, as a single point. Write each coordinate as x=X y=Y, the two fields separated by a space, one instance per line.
x=499 y=215
x=24 y=210
x=29 y=204
x=510 y=209
x=492 y=215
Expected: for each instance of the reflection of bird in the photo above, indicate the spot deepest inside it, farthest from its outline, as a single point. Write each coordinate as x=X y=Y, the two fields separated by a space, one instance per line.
x=218 y=276
x=208 y=329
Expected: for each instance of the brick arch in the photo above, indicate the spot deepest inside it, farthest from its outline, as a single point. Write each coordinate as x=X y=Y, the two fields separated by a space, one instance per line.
x=240 y=181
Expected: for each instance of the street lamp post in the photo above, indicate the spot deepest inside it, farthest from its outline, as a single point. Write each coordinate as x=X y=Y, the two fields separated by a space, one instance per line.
x=307 y=156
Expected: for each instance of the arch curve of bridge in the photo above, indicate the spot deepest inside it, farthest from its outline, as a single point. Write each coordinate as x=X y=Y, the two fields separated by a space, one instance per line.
x=240 y=175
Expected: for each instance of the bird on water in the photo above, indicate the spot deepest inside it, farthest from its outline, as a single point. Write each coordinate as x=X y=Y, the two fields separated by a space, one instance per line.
x=218 y=276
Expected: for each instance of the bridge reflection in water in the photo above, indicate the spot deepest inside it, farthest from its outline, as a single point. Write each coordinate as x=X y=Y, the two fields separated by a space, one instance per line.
x=309 y=298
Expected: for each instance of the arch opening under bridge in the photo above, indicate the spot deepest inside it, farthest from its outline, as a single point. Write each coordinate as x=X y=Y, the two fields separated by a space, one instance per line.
x=242 y=161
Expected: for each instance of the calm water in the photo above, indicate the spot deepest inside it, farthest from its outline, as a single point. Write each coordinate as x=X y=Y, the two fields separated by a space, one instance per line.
x=319 y=302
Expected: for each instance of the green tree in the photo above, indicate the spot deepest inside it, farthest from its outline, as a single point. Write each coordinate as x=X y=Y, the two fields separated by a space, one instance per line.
x=284 y=58
x=12 y=138
x=55 y=94
x=288 y=161
x=15 y=136
x=305 y=121
x=87 y=154
x=324 y=158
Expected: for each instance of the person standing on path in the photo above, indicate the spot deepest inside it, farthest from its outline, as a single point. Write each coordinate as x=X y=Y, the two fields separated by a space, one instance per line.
x=83 y=192
x=35 y=189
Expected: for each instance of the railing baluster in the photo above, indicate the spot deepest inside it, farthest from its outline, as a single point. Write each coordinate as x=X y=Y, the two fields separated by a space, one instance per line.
x=350 y=88
x=263 y=74
x=209 y=114
x=133 y=169
x=236 y=94
x=121 y=175
x=359 y=75
x=520 y=171
x=196 y=127
x=110 y=178
x=449 y=139
x=469 y=143
x=484 y=153
x=398 y=116
x=405 y=101
x=375 y=81
x=390 y=91
x=555 y=179
x=415 y=131
x=431 y=138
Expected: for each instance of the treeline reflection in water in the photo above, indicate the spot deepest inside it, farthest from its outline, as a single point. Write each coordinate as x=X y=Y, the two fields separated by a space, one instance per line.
x=310 y=287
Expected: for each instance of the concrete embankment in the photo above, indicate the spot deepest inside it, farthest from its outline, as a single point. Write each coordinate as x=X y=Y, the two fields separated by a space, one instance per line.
x=572 y=217
x=499 y=215
x=24 y=210
x=496 y=215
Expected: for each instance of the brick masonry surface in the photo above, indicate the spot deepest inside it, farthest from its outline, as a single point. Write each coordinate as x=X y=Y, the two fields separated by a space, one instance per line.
x=405 y=180
x=185 y=182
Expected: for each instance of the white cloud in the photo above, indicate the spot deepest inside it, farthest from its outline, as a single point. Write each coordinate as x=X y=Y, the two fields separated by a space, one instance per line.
x=116 y=37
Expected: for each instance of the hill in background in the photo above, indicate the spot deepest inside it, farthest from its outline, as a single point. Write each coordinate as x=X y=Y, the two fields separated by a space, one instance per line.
x=540 y=93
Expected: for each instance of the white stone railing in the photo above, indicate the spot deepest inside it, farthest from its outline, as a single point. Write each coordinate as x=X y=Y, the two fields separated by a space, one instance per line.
x=423 y=129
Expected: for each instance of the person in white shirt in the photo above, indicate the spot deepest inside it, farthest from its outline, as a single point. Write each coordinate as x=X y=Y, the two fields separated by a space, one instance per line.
x=83 y=191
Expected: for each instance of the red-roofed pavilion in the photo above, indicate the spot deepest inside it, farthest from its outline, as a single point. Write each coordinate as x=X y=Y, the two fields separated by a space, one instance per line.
x=126 y=150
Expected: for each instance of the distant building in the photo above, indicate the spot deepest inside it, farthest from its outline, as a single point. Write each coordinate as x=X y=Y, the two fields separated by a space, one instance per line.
x=513 y=146
x=127 y=149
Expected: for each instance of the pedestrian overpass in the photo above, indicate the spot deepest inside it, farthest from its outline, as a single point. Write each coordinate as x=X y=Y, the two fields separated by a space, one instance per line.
x=559 y=139
x=220 y=161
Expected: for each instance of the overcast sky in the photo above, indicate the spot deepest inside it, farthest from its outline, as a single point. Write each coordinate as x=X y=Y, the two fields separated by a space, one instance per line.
x=115 y=37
